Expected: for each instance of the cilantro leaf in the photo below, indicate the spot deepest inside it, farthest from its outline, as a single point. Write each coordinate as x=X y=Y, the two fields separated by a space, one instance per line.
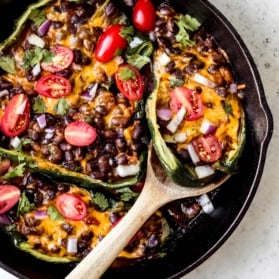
x=227 y=108
x=23 y=142
x=126 y=194
x=24 y=205
x=100 y=200
x=61 y=106
x=54 y=214
x=37 y=16
x=35 y=55
x=186 y=24
x=39 y=105
x=7 y=63
x=126 y=73
x=18 y=171
x=174 y=82
x=127 y=32
x=138 y=60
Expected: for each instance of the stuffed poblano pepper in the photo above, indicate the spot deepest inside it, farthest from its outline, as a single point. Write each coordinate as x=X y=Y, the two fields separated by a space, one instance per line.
x=195 y=113
x=72 y=94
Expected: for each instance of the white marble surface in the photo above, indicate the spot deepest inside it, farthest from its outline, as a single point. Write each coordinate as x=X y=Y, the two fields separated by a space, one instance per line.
x=253 y=249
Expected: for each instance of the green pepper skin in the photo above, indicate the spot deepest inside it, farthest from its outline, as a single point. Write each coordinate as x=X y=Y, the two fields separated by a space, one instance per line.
x=184 y=174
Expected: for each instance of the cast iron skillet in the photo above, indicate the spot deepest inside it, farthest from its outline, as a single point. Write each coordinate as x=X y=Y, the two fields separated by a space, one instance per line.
x=207 y=233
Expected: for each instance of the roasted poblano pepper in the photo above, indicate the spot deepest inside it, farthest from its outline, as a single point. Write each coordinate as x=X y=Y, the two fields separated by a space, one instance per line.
x=118 y=157
x=194 y=113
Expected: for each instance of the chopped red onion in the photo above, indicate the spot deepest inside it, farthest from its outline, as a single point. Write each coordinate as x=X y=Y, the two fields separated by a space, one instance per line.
x=204 y=171
x=15 y=142
x=41 y=121
x=90 y=93
x=206 y=204
x=127 y=170
x=164 y=114
x=203 y=80
x=193 y=154
x=4 y=220
x=207 y=127
x=43 y=28
x=40 y=214
x=36 y=70
x=233 y=88
x=50 y=130
x=35 y=40
x=72 y=245
x=175 y=122
x=4 y=93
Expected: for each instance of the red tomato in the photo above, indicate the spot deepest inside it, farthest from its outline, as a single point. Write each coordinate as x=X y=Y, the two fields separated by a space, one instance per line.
x=144 y=15
x=130 y=82
x=79 y=133
x=189 y=99
x=63 y=57
x=208 y=148
x=16 y=116
x=71 y=207
x=9 y=196
x=53 y=86
x=110 y=42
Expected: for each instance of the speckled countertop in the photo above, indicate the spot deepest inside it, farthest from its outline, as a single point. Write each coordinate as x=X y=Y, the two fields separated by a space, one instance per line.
x=252 y=251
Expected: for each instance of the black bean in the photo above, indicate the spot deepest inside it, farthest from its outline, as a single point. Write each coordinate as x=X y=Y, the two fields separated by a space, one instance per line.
x=66 y=73
x=98 y=121
x=166 y=10
x=87 y=236
x=110 y=134
x=138 y=131
x=103 y=164
x=221 y=91
x=102 y=110
x=122 y=159
x=110 y=149
x=67 y=227
x=190 y=69
x=170 y=66
x=49 y=195
x=120 y=144
x=38 y=199
x=56 y=154
x=62 y=187
x=5 y=85
x=164 y=42
x=212 y=69
x=57 y=24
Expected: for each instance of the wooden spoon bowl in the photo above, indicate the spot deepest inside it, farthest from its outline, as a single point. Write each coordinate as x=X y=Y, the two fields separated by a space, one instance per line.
x=157 y=191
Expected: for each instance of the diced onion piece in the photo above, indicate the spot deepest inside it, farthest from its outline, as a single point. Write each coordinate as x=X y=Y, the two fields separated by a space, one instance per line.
x=41 y=120
x=206 y=204
x=4 y=93
x=163 y=59
x=40 y=214
x=180 y=137
x=233 y=88
x=36 y=70
x=127 y=170
x=72 y=245
x=203 y=80
x=35 y=40
x=4 y=220
x=204 y=171
x=136 y=41
x=193 y=154
x=15 y=142
x=175 y=122
x=164 y=114
x=90 y=93
x=20 y=110
x=207 y=127
x=43 y=28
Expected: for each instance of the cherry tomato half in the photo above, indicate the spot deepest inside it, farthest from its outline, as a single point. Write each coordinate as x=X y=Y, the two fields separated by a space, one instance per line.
x=144 y=15
x=79 y=133
x=208 y=148
x=9 y=196
x=16 y=116
x=71 y=207
x=130 y=82
x=63 y=57
x=109 y=43
x=189 y=99
x=53 y=86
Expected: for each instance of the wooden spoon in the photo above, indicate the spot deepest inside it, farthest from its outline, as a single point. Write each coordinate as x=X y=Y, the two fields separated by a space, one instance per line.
x=157 y=191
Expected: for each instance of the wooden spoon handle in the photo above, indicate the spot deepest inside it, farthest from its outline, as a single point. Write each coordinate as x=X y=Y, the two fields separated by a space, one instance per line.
x=102 y=256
